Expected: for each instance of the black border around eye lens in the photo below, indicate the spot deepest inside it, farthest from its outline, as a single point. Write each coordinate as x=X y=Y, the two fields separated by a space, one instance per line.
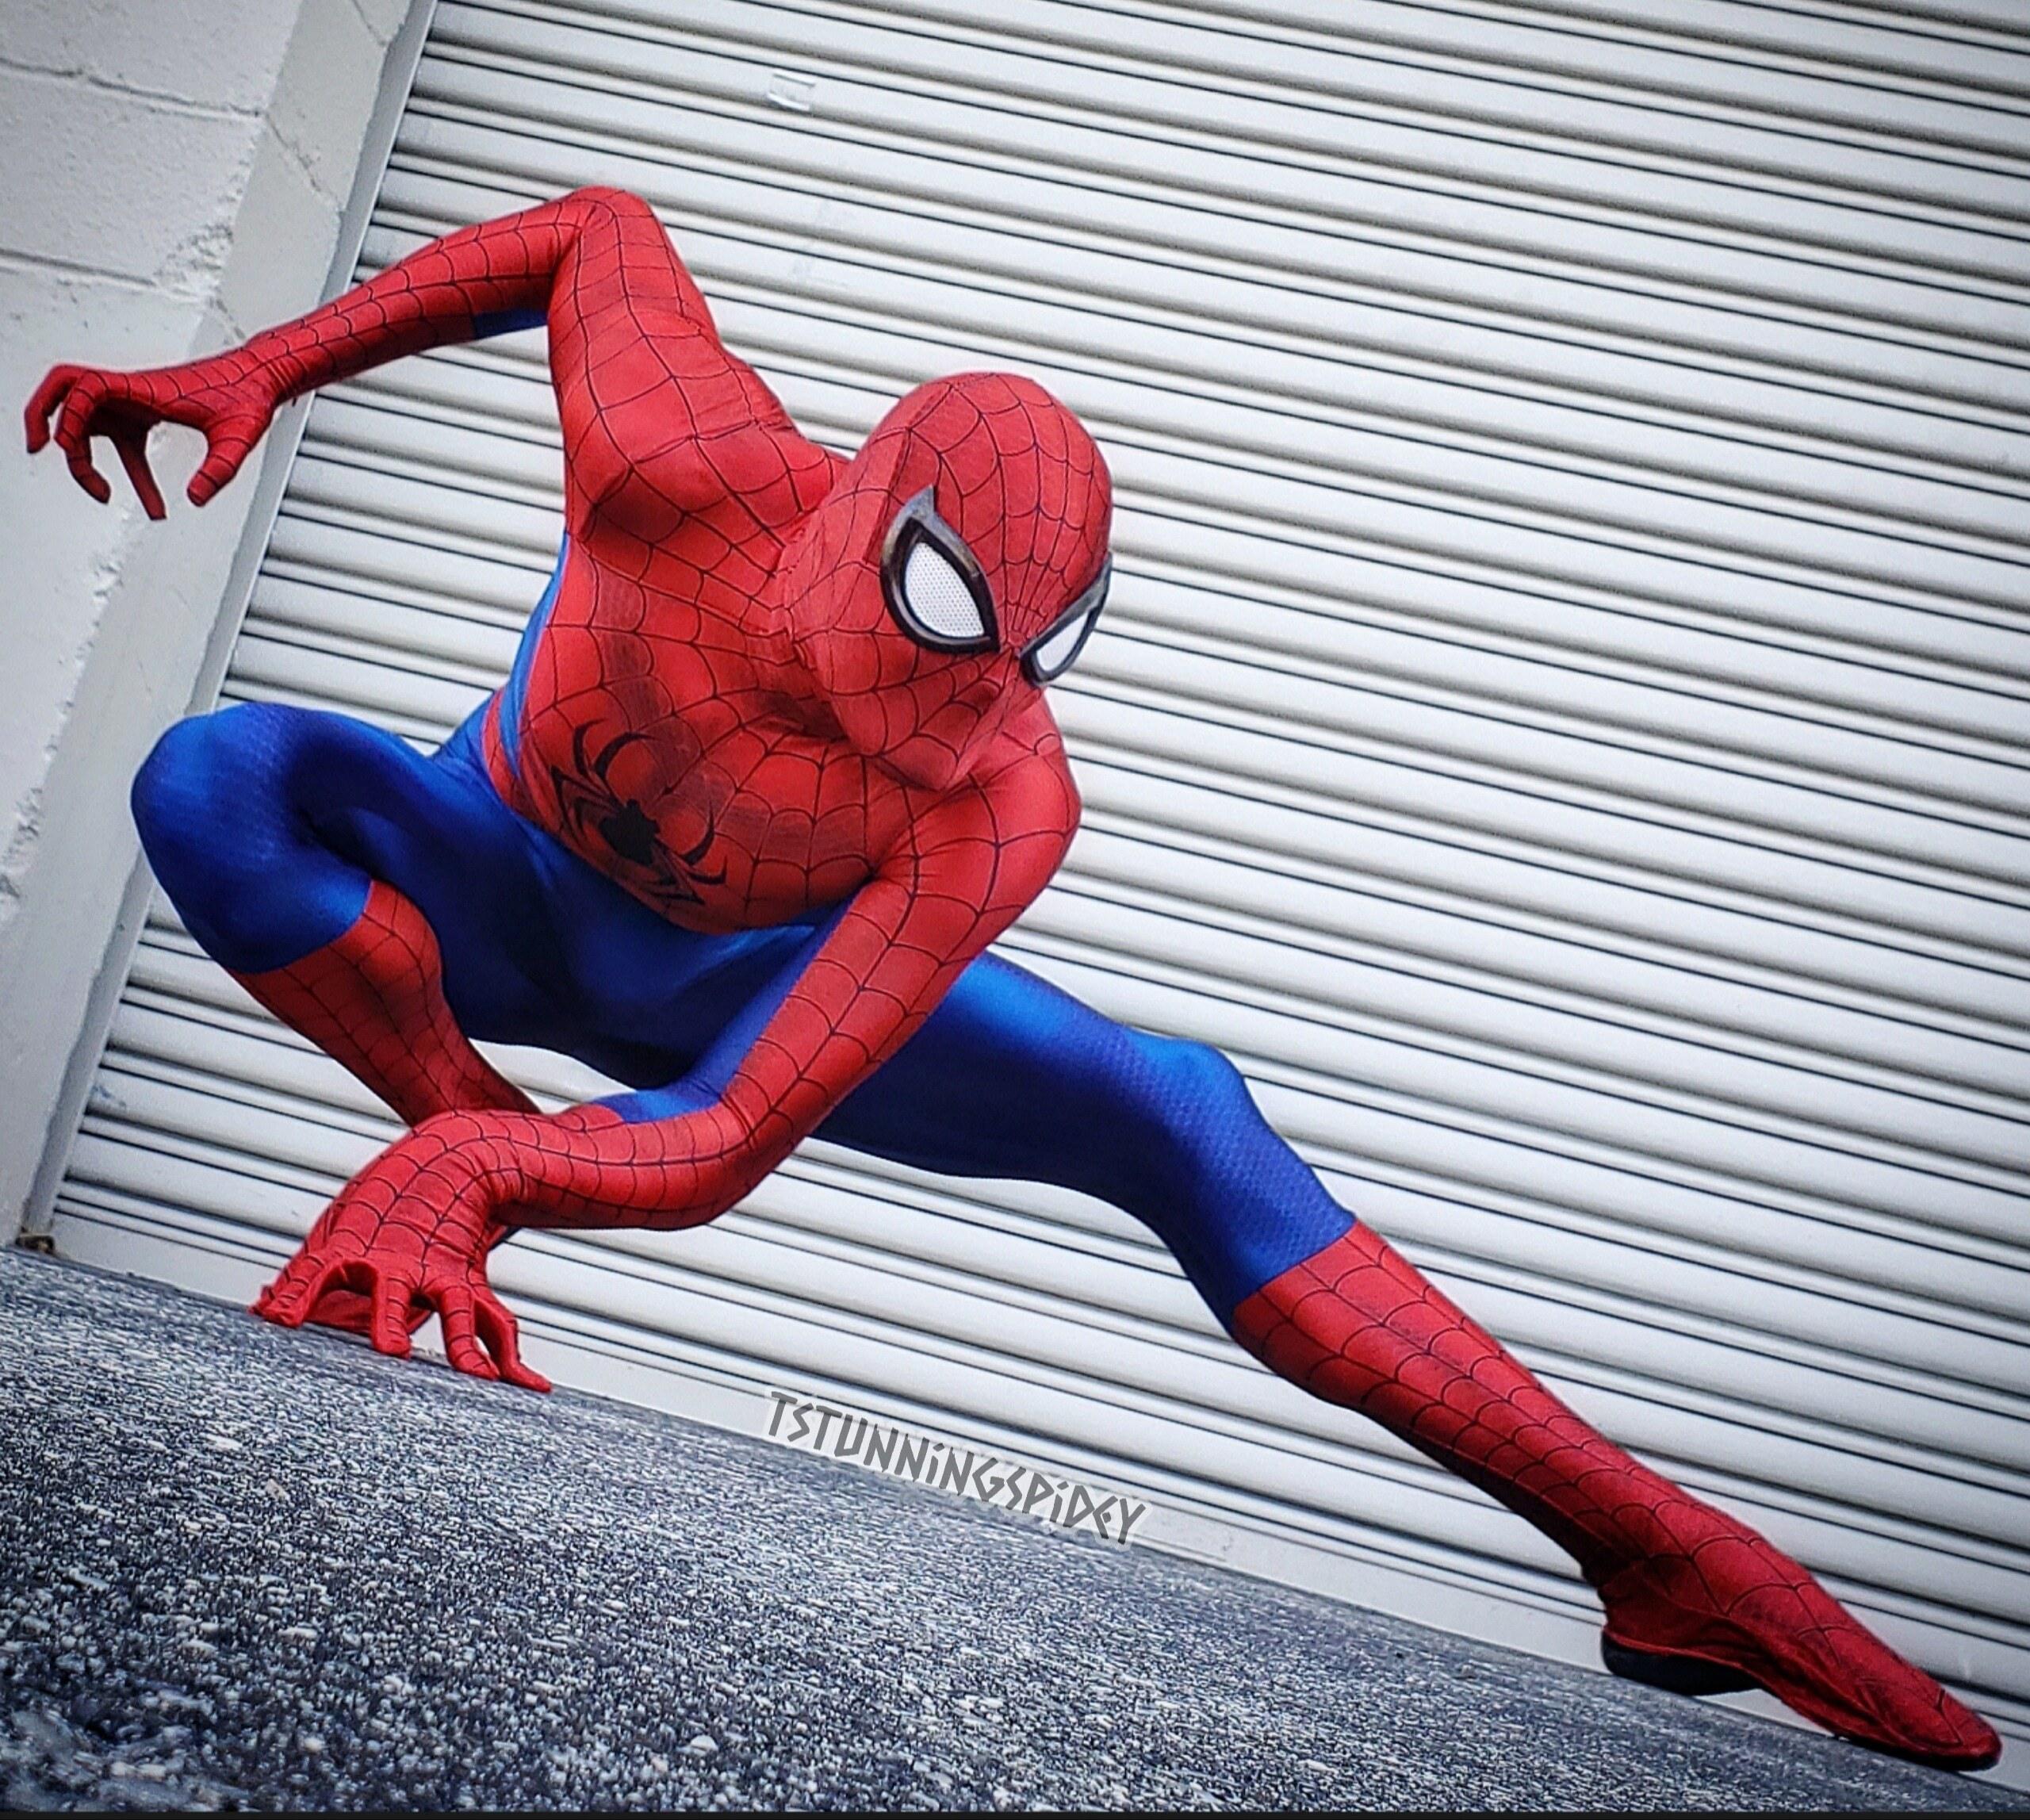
x=1088 y=607
x=918 y=522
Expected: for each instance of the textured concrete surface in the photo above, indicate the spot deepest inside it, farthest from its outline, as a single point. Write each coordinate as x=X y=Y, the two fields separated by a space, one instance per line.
x=240 y=1566
x=176 y=177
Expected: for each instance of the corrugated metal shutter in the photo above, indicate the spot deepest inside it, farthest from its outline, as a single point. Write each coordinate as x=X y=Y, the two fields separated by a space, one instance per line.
x=1561 y=726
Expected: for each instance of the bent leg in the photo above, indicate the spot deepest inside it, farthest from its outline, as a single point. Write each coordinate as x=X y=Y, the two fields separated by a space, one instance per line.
x=316 y=858
x=391 y=907
x=1011 y=1077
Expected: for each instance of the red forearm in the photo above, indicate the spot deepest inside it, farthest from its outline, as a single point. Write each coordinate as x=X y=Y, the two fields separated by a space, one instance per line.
x=578 y=263
x=441 y=293
x=585 y=1168
x=592 y=1167
x=881 y=971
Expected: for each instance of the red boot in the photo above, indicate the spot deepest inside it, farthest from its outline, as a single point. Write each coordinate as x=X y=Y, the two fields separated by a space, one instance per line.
x=1694 y=1601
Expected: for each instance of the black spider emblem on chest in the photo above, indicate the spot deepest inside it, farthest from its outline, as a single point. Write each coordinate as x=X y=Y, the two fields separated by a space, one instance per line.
x=592 y=806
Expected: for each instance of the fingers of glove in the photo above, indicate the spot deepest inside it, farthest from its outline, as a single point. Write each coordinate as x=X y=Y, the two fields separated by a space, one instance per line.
x=289 y=1299
x=46 y=396
x=347 y=1310
x=226 y=448
x=387 y=1328
x=462 y=1345
x=131 y=446
x=502 y=1338
x=288 y=1282
x=74 y=434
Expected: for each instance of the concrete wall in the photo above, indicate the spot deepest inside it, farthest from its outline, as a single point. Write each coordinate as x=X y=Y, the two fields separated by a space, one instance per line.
x=176 y=177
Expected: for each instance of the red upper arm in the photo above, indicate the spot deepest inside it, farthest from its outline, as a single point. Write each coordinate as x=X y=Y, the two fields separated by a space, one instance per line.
x=661 y=421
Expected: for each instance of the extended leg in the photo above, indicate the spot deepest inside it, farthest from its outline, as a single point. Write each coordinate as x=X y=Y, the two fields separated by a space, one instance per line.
x=1011 y=1077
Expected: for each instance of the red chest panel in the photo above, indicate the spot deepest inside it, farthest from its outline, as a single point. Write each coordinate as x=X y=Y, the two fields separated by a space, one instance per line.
x=638 y=728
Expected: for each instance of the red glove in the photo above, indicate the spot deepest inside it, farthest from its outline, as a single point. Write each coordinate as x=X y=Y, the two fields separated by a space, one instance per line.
x=231 y=398
x=409 y=1234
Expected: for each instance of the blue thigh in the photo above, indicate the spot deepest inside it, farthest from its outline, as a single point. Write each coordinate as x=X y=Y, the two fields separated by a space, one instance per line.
x=266 y=826
x=1012 y=1077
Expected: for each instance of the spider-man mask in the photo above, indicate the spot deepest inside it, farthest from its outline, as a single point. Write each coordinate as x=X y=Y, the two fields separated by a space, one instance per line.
x=957 y=565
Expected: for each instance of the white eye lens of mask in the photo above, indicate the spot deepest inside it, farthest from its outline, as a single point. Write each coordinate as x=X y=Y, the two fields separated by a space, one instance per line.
x=934 y=586
x=1054 y=655
x=1057 y=650
x=937 y=597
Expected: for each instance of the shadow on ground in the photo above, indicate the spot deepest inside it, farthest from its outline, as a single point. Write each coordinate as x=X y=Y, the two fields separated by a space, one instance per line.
x=243 y=1567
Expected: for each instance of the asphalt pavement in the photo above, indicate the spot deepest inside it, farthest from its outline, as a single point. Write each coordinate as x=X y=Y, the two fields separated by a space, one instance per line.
x=242 y=1567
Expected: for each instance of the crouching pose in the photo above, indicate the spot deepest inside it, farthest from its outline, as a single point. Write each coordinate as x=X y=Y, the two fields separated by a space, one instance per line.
x=773 y=767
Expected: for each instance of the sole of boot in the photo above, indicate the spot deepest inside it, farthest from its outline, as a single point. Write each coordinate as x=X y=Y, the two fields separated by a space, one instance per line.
x=1694 y=1677
x=1686 y=1675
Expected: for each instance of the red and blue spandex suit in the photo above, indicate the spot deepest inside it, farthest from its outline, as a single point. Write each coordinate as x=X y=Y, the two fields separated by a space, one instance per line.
x=773 y=767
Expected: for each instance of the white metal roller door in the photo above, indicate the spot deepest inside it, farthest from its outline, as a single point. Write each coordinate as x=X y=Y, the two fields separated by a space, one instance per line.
x=1561 y=726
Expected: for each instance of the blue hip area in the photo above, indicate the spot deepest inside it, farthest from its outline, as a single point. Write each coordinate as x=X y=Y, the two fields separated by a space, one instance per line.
x=267 y=824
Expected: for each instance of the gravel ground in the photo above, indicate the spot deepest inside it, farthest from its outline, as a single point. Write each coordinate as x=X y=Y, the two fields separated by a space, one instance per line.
x=243 y=1567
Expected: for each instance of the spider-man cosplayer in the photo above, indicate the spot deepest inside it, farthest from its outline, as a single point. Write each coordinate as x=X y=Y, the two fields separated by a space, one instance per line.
x=773 y=767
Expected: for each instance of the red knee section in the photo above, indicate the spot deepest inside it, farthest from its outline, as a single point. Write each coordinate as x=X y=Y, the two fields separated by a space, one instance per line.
x=1356 y=1325
x=373 y=999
